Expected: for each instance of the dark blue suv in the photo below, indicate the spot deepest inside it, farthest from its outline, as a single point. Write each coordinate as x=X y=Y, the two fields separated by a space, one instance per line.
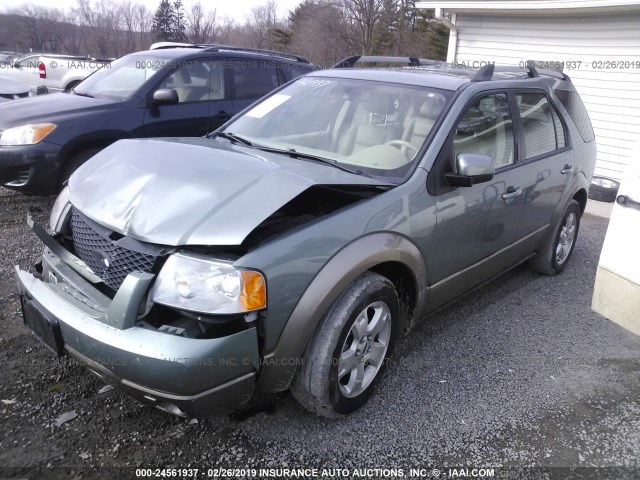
x=170 y=91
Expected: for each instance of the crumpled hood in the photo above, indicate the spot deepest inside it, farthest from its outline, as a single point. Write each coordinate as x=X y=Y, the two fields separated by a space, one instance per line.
x=192 y=191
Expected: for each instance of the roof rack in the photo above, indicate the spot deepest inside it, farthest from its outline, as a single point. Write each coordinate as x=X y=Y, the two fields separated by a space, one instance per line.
x=486 y=72
x=483 y=74
x=214 y=47
x=273 y=53
x=350 y=62
x=163 y=45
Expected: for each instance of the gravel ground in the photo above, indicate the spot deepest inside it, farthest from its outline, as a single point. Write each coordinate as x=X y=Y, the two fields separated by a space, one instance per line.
x=520 y=376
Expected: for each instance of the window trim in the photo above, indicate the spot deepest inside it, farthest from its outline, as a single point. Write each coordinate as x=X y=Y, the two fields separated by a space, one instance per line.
x=174 y=69
x=522 y=160
x=436 y=184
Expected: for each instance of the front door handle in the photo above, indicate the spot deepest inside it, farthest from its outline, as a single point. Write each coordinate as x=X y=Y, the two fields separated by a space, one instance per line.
x=222 y=114
x=567 y=169
x=512 y=192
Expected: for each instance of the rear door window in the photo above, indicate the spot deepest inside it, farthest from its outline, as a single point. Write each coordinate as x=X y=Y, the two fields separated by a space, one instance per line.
x=542 y=129
x=254 y=78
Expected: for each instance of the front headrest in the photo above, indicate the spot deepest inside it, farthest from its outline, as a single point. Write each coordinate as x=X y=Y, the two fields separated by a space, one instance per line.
x=380 y=103
x=431 y=108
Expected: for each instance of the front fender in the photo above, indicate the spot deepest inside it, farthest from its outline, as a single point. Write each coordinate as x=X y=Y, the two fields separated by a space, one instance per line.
x=279 y=365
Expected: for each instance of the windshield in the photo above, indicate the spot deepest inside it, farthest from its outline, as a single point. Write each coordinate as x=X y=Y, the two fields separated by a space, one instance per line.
x=374 y=127
x=122 y=78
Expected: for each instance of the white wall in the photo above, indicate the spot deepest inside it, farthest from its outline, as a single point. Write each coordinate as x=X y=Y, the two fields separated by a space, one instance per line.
x=612 y=96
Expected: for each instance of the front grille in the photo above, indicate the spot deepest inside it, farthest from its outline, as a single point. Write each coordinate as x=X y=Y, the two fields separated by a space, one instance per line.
x=111 y=262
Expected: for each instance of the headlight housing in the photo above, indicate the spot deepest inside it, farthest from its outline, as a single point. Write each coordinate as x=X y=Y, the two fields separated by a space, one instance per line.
x=199 y=284
x=26 y=134
x=59 y=211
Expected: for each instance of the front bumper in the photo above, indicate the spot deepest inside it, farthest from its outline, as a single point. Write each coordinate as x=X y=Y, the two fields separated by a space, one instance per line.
x=185 y=376
x=30 y=168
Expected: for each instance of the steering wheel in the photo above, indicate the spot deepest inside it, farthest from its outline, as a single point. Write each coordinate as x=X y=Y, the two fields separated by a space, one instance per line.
x=403 y=143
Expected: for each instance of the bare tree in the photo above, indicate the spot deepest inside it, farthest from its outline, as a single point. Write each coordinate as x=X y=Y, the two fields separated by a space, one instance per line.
x=319 y=32
x=362 y=16
x=128 y=21
x=324 y=31
x=103 y=18
x=261 y=23
x=40 y=28
x=143 y=23
x=201 y=25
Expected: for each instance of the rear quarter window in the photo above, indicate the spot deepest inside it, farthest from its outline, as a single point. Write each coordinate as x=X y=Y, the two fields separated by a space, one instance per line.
x=292 y=71
x=577 y=111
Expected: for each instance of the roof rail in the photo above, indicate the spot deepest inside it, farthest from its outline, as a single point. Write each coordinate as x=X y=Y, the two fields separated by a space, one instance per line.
x=486 y=72
x=350 y=62
x=163 y=45
x=214 y=47
x=274 y=53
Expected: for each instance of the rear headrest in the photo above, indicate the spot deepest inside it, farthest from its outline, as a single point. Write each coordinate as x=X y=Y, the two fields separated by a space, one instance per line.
x=380 y=103
x=431 y=108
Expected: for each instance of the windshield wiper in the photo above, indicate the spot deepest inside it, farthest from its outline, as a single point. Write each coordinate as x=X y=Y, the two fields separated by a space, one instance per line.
x=231 y=137
x=295 y=154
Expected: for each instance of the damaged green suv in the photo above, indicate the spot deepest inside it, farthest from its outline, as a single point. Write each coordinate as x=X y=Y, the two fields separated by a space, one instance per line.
x=292 y=247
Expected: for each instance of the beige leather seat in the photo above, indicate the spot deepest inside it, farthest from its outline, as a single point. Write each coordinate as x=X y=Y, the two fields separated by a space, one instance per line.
x=182 y=84
x=362 y=133
x=419 y=127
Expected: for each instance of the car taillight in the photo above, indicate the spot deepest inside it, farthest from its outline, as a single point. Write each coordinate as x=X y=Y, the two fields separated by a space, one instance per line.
x=42 y=70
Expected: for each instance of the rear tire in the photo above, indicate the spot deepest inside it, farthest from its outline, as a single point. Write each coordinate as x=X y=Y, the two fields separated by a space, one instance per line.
x=349 y=350
x=73 y=163
x=554 y=258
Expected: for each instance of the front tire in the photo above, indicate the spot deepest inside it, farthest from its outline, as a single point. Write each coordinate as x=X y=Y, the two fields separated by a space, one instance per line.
x=348 y=352
x=554 y=258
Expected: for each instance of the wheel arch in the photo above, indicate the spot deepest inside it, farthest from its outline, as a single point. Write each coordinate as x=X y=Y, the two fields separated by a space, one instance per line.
x=389 y=254
x=69 y=153
x=581 y=197
x=71 y=83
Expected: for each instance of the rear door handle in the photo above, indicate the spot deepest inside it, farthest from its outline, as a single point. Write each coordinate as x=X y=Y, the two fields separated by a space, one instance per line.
x=512 y=192
x=567 y=169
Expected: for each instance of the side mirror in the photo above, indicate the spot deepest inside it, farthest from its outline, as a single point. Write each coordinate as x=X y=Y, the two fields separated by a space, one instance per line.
x=471 y=168
x=165 y=96
x=16 y=64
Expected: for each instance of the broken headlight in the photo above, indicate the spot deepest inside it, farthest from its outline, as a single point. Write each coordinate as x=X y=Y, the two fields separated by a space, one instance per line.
x=199 y=284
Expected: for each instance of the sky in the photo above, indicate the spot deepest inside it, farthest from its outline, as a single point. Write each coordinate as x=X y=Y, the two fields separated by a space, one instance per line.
x=235 y=9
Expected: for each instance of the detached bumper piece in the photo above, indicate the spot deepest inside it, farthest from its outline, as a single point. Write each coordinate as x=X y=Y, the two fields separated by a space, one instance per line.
x=185 y=376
